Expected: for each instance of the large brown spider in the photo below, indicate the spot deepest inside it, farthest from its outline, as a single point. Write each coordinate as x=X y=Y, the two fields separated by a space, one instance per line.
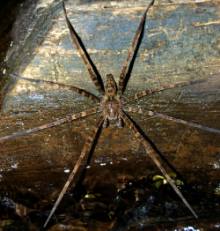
x=113 y=108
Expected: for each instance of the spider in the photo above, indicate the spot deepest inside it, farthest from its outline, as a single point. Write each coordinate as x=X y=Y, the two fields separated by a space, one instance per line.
x=112 y=106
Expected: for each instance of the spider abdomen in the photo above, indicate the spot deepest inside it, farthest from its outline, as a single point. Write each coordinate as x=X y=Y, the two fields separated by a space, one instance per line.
x=111 y=108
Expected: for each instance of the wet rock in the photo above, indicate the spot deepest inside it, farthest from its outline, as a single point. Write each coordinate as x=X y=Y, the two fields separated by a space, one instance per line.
x=136 y=216
x=62 y=227
x=8 y=206
x=16 y=225
x=94 y=209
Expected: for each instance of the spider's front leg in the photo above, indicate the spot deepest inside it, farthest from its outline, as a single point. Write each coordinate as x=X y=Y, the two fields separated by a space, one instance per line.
x=83 y=159
x=78 y=43
x=76 y=89
x=151 y=150
x=164 y=87
x=132 y=52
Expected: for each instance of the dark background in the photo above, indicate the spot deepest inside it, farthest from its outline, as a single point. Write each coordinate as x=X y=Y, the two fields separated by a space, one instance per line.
x=8 y=12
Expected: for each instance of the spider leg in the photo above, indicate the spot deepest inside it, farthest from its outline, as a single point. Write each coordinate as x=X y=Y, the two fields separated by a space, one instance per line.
x=139 y=110
x=60 y=85
x=87 y=151
x=55 y=123
x=152 y=153
x=132 y=53
x=76 y=40
x=147 y=92
x=166 y=117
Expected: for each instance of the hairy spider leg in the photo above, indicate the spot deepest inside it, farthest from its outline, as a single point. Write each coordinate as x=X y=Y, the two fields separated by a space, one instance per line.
x=132 y=53
x=170 y=118
x=152 y=153
x=77 y=42
x=88 y=147
x=78 y=90
x=71 y=117
x=147 y=92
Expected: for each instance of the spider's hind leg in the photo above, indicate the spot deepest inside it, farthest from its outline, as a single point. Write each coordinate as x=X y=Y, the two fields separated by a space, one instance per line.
x=105 y=123
x=120 y=123
x=152 y=151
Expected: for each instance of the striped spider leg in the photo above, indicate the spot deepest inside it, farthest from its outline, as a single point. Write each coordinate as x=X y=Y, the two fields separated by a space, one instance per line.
x=149 y=92
x=77 y=42
x=78 y=90
x=132 y=53
x=173 y=119
x=67 y=118
x=85 y=156
x=152 y=152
